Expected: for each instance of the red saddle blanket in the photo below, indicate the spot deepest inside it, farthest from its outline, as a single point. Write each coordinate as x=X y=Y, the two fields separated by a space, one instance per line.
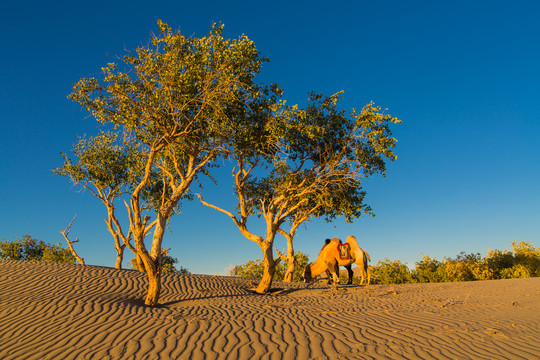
x=344 y=251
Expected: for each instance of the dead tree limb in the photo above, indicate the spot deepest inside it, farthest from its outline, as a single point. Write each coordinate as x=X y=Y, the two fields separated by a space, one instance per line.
x=70 y=243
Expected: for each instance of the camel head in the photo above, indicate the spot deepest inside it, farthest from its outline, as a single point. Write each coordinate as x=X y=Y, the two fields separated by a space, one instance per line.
x=307 y=274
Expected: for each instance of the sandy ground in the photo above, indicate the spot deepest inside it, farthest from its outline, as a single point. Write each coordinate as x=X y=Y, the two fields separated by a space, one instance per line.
x=60 y=311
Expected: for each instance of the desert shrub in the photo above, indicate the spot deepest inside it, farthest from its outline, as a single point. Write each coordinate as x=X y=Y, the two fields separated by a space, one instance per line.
x=11 y=250
x=301 y=260
x=522 y=261
x=391 y=272
x=28 y=248
x=527 y=256
x=516 y=271
x=57 y=253
x=167 y=264
x=463 y=268
x=254 y=268
x=25 y=248
x=498 y=262
x=481 y=271
x=428 y=270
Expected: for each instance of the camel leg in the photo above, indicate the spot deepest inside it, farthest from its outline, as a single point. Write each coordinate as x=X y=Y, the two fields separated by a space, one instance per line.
x=334 y=270
x=350 y=272
x=328 y=277
x=364 y=272
x=336 y=274
x=360 y=265
x=361 y=262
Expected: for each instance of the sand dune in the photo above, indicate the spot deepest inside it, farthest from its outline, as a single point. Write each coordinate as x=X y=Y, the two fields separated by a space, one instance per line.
x=60 y=311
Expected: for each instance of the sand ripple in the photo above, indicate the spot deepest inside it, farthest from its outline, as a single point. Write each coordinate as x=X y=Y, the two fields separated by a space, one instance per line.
x=63 y=311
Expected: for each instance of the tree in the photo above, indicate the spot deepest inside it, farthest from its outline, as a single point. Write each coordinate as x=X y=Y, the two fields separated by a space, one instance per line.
x=177 y=97
x=108 y=170
x=312 y=161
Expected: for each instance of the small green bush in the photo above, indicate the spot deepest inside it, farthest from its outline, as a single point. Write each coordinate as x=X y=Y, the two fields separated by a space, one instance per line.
x=167 y=264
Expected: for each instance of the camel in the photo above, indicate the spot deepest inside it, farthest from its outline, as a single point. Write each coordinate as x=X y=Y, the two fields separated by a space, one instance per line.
x=335 y=254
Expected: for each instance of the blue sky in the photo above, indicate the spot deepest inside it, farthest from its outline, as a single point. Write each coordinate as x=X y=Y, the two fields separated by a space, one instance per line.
x=463 y=76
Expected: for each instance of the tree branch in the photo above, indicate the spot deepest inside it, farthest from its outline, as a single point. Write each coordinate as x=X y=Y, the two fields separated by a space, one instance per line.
x=70 y=243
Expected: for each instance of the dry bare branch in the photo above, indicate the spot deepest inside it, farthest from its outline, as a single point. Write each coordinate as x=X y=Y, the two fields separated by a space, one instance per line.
x=65 y=233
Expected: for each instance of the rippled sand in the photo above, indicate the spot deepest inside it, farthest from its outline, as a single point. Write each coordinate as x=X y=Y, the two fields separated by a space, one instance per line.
x=60 y=311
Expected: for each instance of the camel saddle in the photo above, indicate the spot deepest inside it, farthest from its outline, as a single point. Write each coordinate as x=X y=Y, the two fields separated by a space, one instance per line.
x=344 y=251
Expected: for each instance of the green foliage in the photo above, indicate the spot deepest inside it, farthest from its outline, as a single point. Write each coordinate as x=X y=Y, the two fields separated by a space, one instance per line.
x=523 y=261
x=57 y=253
x=109 y=165
x=323 y=154
x=28 y=248
x=526 y=257
x=499 y=262
x=465 y=267
x=517 y=271
x=391 y=272
x=254 y=269
x=178 y=93
x=167 y=264
x=301 y=261
x=428 y=270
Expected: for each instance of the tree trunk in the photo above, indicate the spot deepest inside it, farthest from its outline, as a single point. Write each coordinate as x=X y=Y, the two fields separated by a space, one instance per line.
x=291 y=263
x=117 y=243
x=154 y=271
x=119 y=257
x=140 y=263
x=154 y=284
x=269 y=269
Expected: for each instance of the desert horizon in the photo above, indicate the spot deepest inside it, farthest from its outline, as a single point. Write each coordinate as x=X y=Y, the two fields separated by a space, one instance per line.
x=67 y=311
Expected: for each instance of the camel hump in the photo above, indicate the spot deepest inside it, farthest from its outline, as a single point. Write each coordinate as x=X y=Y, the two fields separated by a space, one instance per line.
x=352 y=240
